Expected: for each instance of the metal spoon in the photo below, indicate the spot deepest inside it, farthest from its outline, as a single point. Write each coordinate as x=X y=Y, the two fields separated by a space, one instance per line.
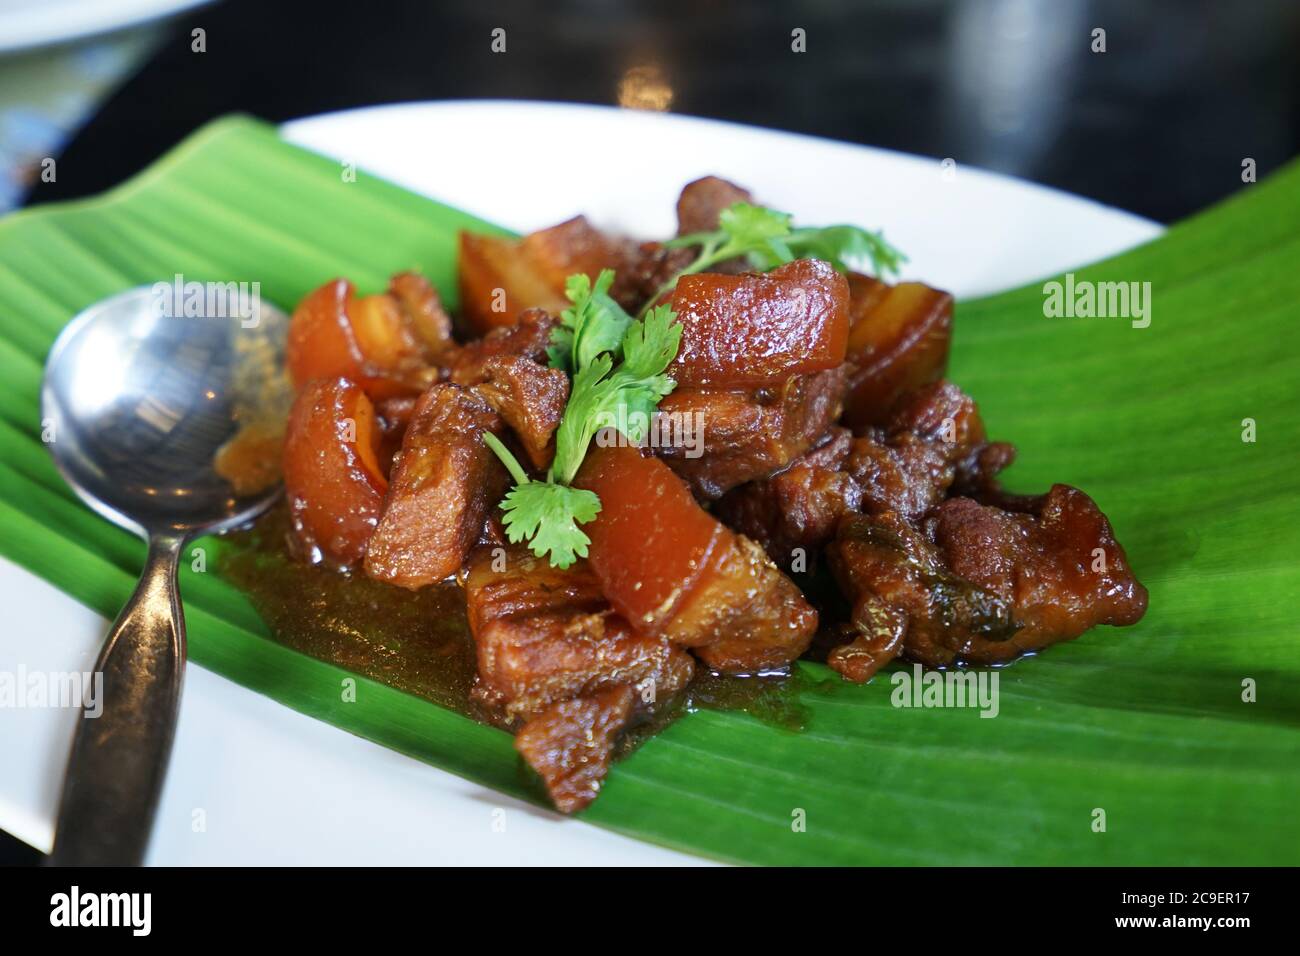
x=137 y=403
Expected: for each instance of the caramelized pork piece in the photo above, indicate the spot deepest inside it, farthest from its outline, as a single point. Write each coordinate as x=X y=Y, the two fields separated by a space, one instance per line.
x=796 y=511
x=507 y=368
x=675 y=571
x=898 y=340
x=873 y=637
x=333 y=478
x=424 y=313
x=552 y=652
x=496 y=283
x=570 y=744
x=650 y=267
x=530 y=398
x=982 y=585
x=444 y=481
x=546 y=634
x=702 y=202
x=385 y=343
x=759 y=329
x=934 y=441
x=527 y=337
x=1060 y=568
x=500 y=277
x=888 y=567
x=574 y=245
x=739 y=435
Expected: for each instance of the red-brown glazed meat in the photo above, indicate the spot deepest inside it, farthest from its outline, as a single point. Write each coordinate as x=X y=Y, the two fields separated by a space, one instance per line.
x=898 y=340
x=570 y=744
x=810 y=414
x=889 y=567
x=552 y=652
x=759 y=329
x=702 y=202
x=499 y=278
x=742 y=434
x=385 y=343
x=546 y=634
x=528 y=337
x=982 y=585
x=796 y=511
x=675 y=571
x=507 y=368
x=423 y=312
x=333 y=478
x=1060 y=568
x=444 y=481
x=934 y=437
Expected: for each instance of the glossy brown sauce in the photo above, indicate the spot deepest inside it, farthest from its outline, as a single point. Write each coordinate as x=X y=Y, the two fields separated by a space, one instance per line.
x=419 y=641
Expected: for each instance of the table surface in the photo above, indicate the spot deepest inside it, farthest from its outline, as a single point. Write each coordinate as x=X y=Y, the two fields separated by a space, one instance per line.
x=1159 y=123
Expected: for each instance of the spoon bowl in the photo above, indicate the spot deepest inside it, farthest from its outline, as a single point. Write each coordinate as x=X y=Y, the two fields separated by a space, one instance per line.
x=136 y=404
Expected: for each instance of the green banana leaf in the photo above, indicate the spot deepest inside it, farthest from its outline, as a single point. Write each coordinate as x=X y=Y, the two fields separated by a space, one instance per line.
x=1154 y=725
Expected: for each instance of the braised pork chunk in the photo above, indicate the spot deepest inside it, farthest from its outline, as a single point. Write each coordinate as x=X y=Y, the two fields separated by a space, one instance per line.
x=801 y=422
x=443 y=482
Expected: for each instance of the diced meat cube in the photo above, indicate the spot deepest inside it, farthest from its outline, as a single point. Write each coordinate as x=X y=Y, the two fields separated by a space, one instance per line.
x=529 y=397
x=573 y=246
x=546 y=634
x=1060 y=568
x=759 y=329
x=333 y=478
x=934 y=441
x=497 y=283
x=444 y=481
x=570 y=744
x=747 y=434
x=424 y=312
x=743 y=616
x=884 y=562
x=374 y=340
x=506 y=367
x=529 y=337
x=499 y=278
x=702 y=202
x=675 y=571
x=796 y=511
x=898 y=340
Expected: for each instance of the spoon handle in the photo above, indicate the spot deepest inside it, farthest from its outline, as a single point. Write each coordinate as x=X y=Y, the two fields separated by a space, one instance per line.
x=119 y=757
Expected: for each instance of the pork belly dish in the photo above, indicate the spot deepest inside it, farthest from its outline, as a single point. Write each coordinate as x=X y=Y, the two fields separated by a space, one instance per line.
x=648 y=463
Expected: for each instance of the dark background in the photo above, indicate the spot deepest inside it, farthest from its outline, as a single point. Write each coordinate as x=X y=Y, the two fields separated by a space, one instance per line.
x=1158 y=124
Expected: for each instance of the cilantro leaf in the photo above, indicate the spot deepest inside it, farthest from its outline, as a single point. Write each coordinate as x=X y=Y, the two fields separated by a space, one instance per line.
x=748 y=225
x=766 y=239
x=618 y=368
x=623 y=397
x=593 y=324
x=547 y=515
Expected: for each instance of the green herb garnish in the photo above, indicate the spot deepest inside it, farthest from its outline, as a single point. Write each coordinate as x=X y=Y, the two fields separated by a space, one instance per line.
x=766 y=239
x=617 y=366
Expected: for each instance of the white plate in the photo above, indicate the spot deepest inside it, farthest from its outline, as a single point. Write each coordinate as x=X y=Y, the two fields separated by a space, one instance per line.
x=274 y=786
x=31 y=23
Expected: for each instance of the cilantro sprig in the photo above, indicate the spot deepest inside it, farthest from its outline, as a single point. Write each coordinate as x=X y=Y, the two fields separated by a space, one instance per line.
x=767 y=238
x=618 y=370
